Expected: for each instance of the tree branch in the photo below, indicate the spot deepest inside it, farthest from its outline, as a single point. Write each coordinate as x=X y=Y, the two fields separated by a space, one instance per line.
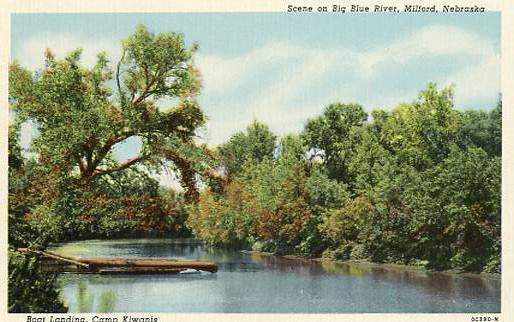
x=146 y=92
x=187 y=175
x=107 y=147
x=82 y=165
x=120 y=167
x=122 y=95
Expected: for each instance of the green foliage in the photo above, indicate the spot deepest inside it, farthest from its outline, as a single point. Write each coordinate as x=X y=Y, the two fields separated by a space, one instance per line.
x=333 y=132
x=28 y=190
x=15 y=157
x=460 y=210
x=483 y=130
x=341 y=226
x=372 y=165
x=266 y=203
x=257 y=144
x=72 y=187
x=29 y=289
x=81 y=119
x=418 y=185
x=420 y=133
x=293 y=146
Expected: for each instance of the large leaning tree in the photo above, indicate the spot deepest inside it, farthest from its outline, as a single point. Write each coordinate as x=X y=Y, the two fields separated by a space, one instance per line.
x=83 y=113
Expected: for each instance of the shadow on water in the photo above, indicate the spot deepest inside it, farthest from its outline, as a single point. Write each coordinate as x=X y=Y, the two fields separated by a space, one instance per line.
x=155 y=247
x=436 y=283
x=467 y=286
x=308 y=267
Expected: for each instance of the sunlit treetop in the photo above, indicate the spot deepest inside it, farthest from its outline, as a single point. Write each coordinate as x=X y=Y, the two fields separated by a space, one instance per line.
x=82 y=113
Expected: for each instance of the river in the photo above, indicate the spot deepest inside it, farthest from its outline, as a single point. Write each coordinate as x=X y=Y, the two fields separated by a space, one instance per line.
x=249 y=283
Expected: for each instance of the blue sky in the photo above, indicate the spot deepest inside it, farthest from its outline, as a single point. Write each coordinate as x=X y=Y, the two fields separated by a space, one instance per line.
x=284 y=68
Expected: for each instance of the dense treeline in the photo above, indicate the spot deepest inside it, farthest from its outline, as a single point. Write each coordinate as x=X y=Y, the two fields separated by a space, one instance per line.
x=418 y=185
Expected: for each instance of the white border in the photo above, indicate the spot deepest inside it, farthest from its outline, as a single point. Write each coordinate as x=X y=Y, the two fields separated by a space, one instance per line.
x=507 y=80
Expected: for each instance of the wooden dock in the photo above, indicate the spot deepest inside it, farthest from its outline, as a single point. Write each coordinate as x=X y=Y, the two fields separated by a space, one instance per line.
x=54 y=262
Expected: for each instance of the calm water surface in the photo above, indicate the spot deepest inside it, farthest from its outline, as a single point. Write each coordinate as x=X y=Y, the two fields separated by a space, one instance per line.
x=254 y=283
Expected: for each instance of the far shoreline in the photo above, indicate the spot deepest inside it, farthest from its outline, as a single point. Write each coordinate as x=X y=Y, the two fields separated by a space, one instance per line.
x=361 y=262
x=388 y=266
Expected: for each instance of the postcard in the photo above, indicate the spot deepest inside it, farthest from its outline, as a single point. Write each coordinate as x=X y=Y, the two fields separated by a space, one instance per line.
x=260 y=161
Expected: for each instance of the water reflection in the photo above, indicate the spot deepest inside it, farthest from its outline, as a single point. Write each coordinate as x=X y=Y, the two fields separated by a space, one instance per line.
x=465 y=285
x=251 y=282
x=106 y=301
x=346 y=269
x=84 y=297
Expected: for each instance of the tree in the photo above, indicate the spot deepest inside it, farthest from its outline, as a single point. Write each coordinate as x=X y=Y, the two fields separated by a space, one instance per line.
x=83 y=113
x=333 y=133
x=482 y=129
x=72 y=187
x=31 y=290
x=418 y=185
x=25 y=278
x=257 y=144
x=293 y=146
x=275 y=200
x=420 y=133
x=458 y=211
x=15 y=156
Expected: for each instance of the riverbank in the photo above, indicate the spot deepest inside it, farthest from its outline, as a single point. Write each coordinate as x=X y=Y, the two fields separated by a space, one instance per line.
x=387 y=266
x=69 y=247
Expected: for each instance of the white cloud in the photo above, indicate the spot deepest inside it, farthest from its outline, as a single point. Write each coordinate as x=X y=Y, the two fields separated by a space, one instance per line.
x=31 y=53
x=433 y=40
x=288 y=99
x=298 y=81
x=477 y=82
x=220 y=74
